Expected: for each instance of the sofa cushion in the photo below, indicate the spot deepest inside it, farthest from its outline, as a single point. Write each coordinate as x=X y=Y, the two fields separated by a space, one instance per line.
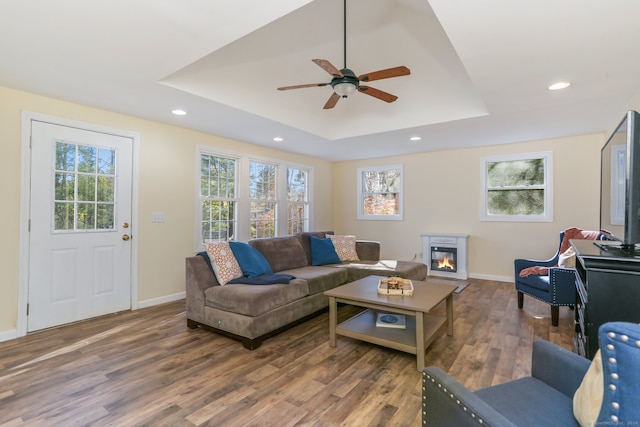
x=252 y=263
x=321 y=278
x=282 y=253
x=225 y=266
x=537 y=404
x=345 y=247
x=323 y=252
x=251 y=300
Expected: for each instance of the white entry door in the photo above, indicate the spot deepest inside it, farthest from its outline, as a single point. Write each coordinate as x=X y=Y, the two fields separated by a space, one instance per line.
x=80 y=227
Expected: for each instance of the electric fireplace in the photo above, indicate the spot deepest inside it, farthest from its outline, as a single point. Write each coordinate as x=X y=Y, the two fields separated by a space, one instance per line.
x=444 y=258
x=445 y=255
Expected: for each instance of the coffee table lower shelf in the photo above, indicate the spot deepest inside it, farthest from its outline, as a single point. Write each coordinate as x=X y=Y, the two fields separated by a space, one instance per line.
x=363 y=327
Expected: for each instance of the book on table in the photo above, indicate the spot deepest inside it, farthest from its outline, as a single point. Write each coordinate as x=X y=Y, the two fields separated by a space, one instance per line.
x=389 y=320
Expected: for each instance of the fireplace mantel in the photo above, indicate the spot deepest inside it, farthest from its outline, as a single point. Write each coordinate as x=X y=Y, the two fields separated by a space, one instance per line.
x=458 y=242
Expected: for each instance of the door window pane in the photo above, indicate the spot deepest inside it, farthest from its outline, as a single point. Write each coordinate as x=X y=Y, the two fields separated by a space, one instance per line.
x=84 y=187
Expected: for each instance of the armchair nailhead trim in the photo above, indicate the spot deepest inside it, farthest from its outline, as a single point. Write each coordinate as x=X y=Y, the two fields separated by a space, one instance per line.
x=614 y=396
x=426 y=377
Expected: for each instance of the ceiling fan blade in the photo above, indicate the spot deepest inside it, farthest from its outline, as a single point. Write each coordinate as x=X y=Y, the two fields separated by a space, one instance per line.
x=385 y=74
x=302 y=86
x=328 y=67
x=332 y=101
x=377 y=93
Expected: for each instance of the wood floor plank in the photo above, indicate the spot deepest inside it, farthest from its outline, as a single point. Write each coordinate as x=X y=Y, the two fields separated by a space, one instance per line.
x=145 y=367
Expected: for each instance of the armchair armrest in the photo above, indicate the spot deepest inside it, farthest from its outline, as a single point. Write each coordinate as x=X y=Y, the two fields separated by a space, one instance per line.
x=558 y=367
x=447 y=403
x=522 y=263
x=563 y=284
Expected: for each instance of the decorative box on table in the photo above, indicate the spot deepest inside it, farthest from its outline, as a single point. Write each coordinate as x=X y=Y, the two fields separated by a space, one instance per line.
x=395 y=286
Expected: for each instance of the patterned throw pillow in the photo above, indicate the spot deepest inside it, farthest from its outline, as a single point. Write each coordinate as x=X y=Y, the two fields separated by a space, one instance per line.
x=345 y=247
x=224 y=263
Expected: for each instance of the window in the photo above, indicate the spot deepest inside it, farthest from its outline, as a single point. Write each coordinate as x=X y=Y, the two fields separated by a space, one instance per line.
x=218 y=183
x=262 y=192
x=297 y=201
x=84 y=193
x=517 y=188
x=241 y=198
x=380 y=193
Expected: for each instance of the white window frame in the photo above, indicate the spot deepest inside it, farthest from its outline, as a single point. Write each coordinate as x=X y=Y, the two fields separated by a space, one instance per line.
x=243 y=214
x=397 y=217
x=305 y=203
x=547 y=215
x=199 y=197
x=276 y=196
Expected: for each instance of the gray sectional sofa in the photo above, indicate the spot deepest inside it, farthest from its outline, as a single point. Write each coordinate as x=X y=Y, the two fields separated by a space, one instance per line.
x=252 y=313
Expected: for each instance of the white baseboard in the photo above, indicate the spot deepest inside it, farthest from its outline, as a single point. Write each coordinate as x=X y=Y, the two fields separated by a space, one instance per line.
x=161 y=300
x=8 y=335
x=491 y=277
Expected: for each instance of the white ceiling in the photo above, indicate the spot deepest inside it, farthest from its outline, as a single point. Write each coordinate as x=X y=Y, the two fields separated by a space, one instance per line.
x=479 y=69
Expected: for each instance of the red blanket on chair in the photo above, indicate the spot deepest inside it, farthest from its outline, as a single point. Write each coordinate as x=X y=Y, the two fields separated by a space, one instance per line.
x=569 y=233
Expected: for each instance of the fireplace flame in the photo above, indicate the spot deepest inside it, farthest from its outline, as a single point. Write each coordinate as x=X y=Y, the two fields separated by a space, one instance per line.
x=446 y=264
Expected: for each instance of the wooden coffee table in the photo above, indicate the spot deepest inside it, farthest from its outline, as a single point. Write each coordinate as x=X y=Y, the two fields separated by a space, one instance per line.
x=422 y=328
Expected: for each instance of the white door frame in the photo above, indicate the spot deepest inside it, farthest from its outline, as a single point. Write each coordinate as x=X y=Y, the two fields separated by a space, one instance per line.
x=25 y=198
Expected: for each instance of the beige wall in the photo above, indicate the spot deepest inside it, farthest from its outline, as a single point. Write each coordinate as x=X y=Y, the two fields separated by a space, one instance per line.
x=167 y=184
x=442 y=195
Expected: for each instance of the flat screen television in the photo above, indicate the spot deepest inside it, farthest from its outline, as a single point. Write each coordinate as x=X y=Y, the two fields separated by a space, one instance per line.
x=620 y=184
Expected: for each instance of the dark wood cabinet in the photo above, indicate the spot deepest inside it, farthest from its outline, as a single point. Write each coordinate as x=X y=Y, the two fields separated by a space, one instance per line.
x=608 y=289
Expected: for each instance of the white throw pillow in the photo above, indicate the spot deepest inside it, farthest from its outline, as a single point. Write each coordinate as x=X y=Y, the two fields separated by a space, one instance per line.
x=567 y=259
x=345 y=247
x=225 y=265
x=588 y=398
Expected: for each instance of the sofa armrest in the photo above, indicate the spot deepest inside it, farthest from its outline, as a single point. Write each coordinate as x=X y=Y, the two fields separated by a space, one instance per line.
x=446 y=402
x=368 y=250
x=199 y=277
x=558 y=367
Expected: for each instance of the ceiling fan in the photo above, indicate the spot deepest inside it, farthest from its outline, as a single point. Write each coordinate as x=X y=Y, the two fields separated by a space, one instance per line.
x=345 y=82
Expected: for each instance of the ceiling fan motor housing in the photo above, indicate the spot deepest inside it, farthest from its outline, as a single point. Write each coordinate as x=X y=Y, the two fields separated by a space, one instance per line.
x=349 y=78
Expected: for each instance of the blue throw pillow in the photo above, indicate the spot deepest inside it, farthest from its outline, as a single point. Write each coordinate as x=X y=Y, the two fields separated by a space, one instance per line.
x=251 y=261
x=323 y=252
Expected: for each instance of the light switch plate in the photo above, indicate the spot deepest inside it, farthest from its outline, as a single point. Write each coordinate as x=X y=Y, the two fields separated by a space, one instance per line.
x=157 y=217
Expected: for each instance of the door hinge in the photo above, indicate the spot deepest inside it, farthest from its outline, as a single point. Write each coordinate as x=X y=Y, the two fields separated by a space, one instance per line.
x=29 y=226
x=27 y=309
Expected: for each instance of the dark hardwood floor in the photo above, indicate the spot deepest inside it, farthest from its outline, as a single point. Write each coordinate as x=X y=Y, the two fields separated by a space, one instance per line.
x=145 y=368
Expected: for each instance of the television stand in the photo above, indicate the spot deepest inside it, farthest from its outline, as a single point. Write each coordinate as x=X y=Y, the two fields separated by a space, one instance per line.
x=608 y=290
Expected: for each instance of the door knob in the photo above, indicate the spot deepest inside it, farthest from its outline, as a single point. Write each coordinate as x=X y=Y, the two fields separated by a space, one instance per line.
x=125 y=225
x=125 y=237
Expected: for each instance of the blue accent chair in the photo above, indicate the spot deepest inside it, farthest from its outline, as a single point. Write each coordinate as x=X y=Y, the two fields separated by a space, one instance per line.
x=558 y=288
x=546 y=397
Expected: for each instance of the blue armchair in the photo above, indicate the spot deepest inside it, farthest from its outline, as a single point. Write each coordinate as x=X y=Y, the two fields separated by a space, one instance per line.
x=546 y=397
x=557 y=288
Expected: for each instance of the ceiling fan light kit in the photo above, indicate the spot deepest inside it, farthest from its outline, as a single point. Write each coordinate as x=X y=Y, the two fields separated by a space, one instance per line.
x=345 y=85
x=345 y=82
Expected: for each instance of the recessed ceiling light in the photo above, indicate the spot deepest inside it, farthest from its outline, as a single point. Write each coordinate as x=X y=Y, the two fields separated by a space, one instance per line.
x=278 y=139
x=415 y=138
x=179 y=112
x=559 y=85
